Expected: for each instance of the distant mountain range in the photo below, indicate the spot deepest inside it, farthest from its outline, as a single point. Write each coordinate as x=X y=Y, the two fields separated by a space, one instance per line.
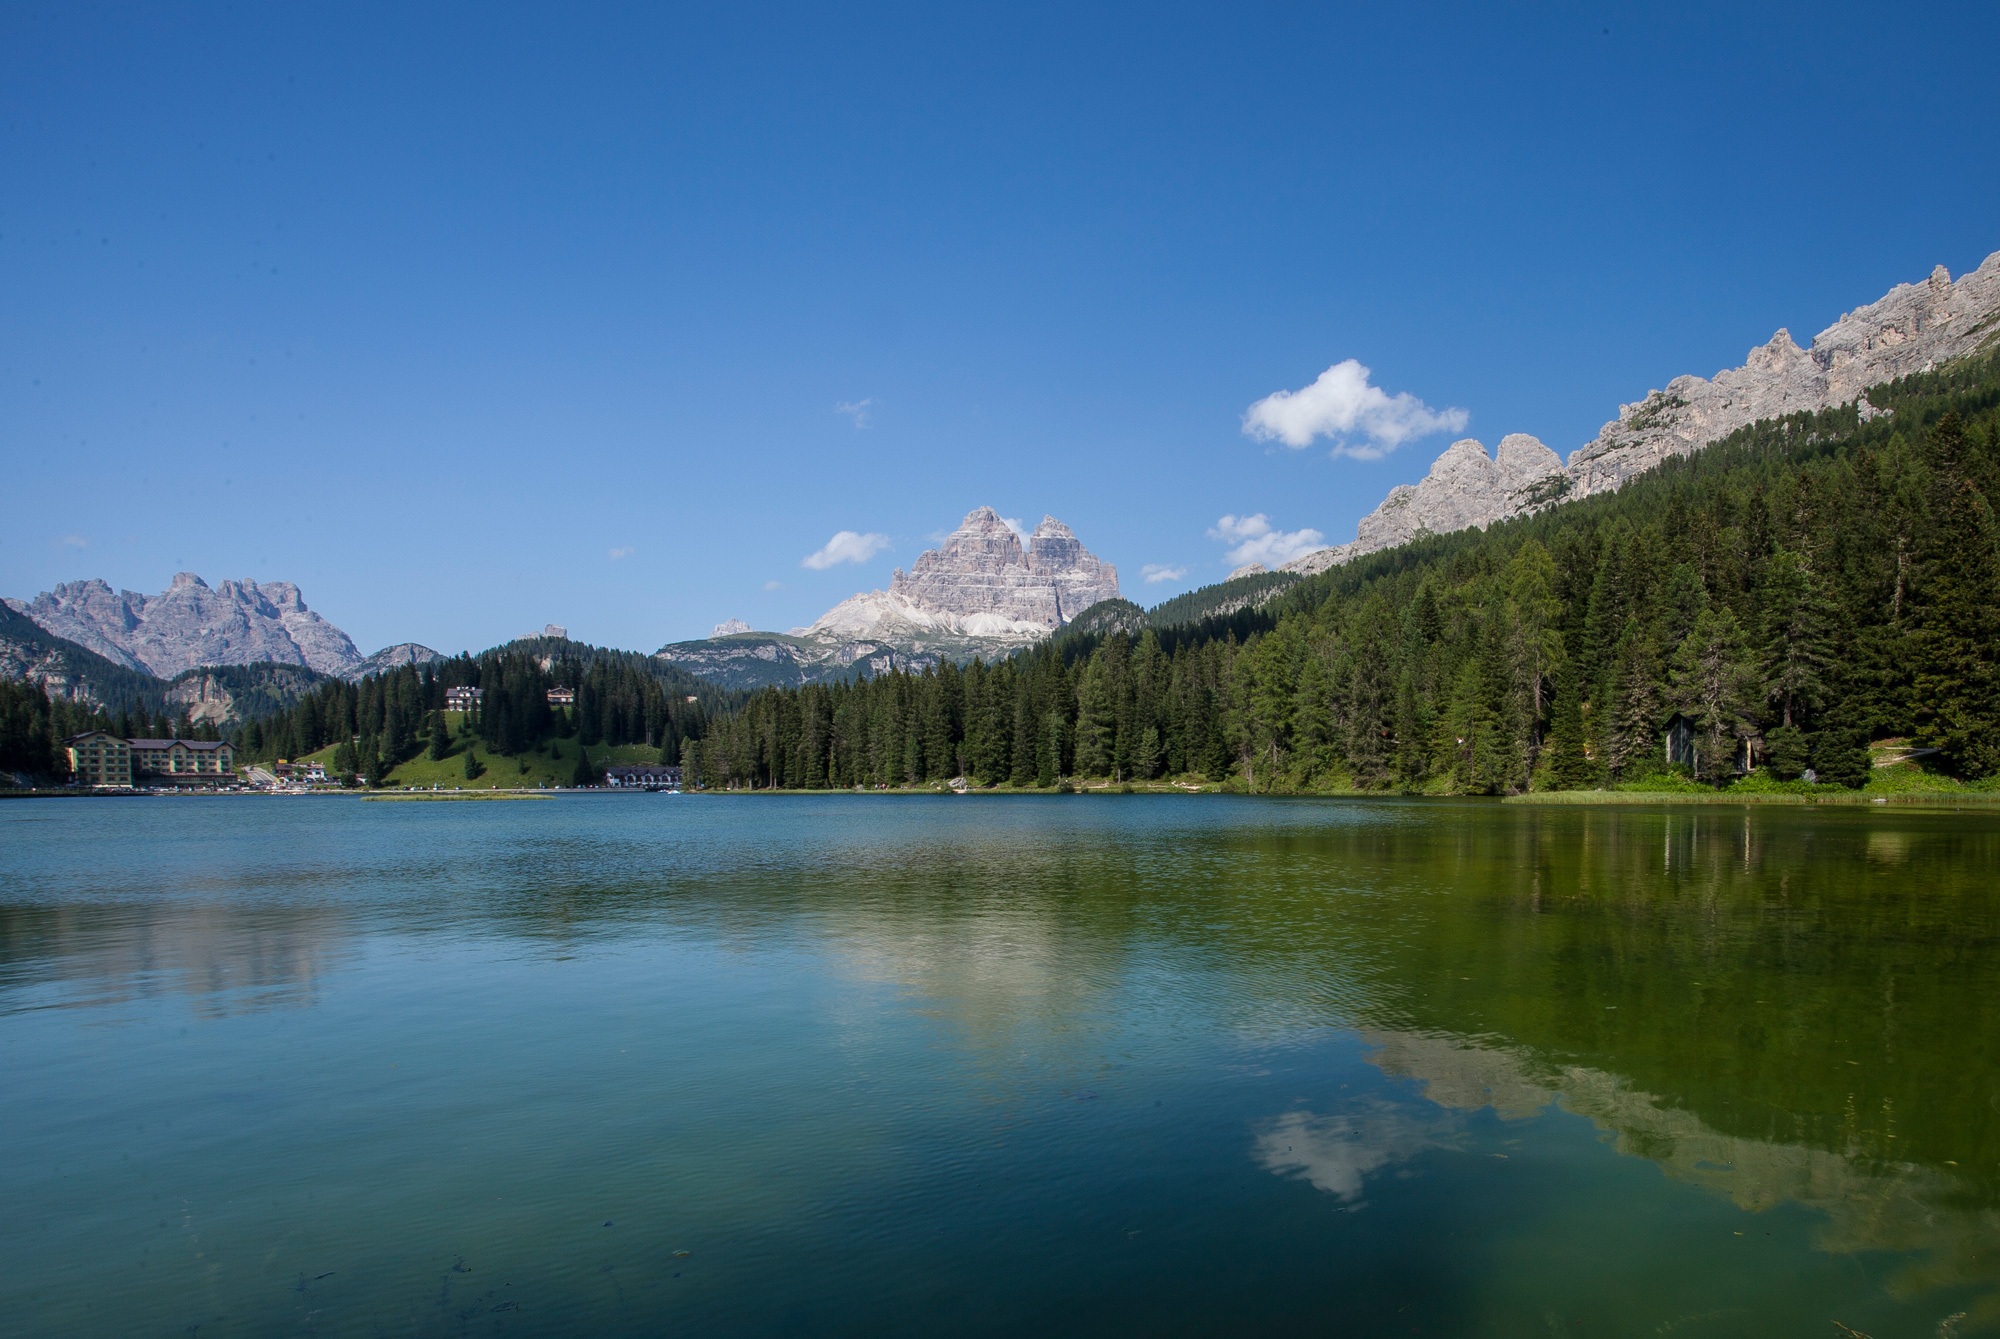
x=219 y=653
x=190 y=625
x=980 y=592
x=1913 y=328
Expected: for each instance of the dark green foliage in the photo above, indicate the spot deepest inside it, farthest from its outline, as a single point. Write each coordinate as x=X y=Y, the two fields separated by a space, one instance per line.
x=621 y=698
x=33 y=727
x=1797 y=589
x=440 y=733
x=27 y=650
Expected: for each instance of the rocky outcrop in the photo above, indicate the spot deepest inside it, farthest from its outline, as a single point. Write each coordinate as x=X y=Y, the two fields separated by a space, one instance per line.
x=189 y=625
x=1465 y=487
x=392 y=657
x=1915 y=328
x=980 y=583
x=226 y=695
x=979 y=591
x=981 y=571
x=30 y=653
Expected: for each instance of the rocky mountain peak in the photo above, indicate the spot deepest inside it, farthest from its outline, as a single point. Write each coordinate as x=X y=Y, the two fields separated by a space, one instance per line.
x=982 y=571
x=979 y=583
x=190 y=625
x=1913 y=328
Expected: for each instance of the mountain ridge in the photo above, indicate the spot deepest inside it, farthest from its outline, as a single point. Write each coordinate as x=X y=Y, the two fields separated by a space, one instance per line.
x=981 y=591
x=1913 y=328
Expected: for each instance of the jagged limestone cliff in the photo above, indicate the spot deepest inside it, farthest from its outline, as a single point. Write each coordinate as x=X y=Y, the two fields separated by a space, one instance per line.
x=190 y=625
x=979 y=592
x=1914 y=328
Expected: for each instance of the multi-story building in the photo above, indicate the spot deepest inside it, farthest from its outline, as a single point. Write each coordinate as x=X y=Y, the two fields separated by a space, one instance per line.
x=97 y=758
x=180 y=761
x=462 y=699
x=562 y=697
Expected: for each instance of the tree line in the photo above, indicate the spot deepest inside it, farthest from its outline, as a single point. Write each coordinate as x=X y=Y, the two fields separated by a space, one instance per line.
x=1794 y=592
x=621 y=698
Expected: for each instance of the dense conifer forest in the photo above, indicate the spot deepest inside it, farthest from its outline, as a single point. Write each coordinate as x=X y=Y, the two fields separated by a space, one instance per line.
x=1789 y=594
x=622 y=698
x=1784 y=597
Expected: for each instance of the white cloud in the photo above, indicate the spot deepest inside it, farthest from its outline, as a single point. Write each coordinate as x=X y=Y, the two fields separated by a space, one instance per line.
x=616 y=554
x=1364 y=421
x=1257 y=541
x=845 y=547
x=1338 y=1153
x=774 y=585
x=1157 y=572
x=73 y=542
x=856 y=410
x=1014 y=523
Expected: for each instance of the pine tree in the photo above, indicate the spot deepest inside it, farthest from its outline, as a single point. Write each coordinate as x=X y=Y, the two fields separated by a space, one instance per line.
x=1711 y=686
x=1146 y=758
x=1796 y=624
x=1536 y=616
x=1048 y=750
x=1568 y=767
x=440 y=736
x=1094 y=721
x=1632 y=716
x=1958 y=642
x=1026 y=749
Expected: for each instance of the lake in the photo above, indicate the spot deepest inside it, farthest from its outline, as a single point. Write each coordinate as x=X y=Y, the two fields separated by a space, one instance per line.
x=879 y=1065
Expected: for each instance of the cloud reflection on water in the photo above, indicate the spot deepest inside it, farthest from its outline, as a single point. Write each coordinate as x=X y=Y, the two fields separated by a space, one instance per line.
x=1337 y=1153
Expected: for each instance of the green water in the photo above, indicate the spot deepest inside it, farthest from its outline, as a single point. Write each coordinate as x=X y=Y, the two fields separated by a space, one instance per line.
x=883 y=1065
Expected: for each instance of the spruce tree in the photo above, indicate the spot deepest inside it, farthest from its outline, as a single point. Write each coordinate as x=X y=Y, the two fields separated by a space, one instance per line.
x=1048 y=750
x=1796 y=627
x=1026 y=749
x=1146 y=758
x=1568 y=768
x=1957 y=670
x=1711 y=679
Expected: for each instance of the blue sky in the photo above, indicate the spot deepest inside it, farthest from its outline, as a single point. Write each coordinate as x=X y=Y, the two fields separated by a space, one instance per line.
x=471 y=319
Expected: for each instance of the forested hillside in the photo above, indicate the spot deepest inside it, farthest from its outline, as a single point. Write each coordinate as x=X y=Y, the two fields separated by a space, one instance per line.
x=1793 y=591
x=622 y=697
x=31 y=654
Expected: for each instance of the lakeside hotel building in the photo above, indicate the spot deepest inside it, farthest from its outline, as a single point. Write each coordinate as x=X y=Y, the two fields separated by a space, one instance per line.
x=98 y=758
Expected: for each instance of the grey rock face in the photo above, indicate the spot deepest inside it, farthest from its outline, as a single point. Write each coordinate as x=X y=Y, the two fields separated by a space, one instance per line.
x=392 y=657
x=981 y=568
x=188 y=624
x=978 y=592
x=1465 y=487
x=1912 y=329
x=1915 y=328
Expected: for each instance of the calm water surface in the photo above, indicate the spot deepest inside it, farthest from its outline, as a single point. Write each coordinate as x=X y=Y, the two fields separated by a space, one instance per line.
x=872 y=1065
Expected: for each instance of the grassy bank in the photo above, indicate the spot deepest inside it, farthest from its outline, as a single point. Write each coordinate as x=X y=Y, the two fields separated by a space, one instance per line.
x=1821 y=795
x=551 y=764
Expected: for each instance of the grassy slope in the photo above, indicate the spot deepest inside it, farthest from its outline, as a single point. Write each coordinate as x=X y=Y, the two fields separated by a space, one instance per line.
x=552 y=765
